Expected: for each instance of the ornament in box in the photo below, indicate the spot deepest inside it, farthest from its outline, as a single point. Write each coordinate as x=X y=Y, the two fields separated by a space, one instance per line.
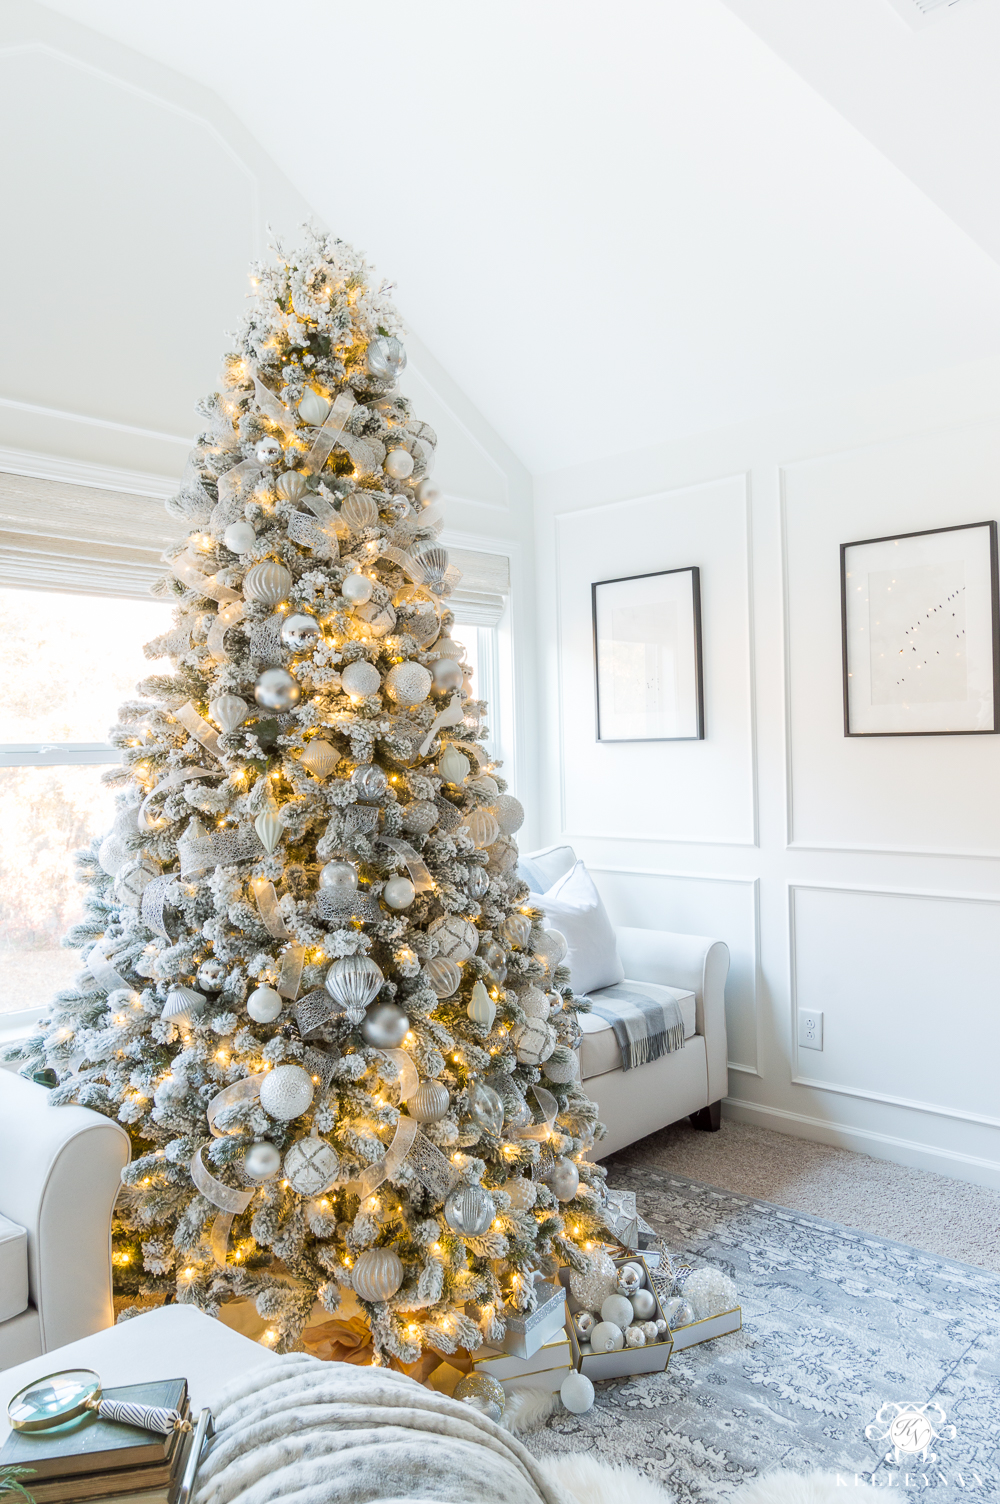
x=377 y=1274
x=286 y=1092
x=311 y=1165
x=592 y=1289
x=607 y=1337
x=709 y=1292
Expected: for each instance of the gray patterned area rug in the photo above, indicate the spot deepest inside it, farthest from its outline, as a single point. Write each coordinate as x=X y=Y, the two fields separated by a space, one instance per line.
x=837 y=1325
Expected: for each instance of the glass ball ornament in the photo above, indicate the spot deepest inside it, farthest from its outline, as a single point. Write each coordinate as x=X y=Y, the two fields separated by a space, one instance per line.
x=509 y=813
x=551 y=948
x=453 y=765
x=408 y=684
x=457 y=939
x=359 y=511
x=563 y=1180
x=286 y=1092
x=239 y=537
x=482 y=828
x=212 y=975
x=357 y=588
x=592 y=1289
x=399 y=893
x=469 y=1210
x=386 y=357
x=481 y=1392
x=485 y=1107
x=428 y=493
x=607 y=1338
x=360 y=678
x=643 y=1304
x=268 y=453
x=342 y=875
x=618 y=1309
x=584 y=1323
x=276 y=690
x=385 y=1026
x=311 y=1165
x=300 y=632
x=370 y=781
x=516 y=930
x=523 y=1192
x=419 y=817
x=630 y=1279
x=577 y=1393
x=268 y=583
x=377 y=1274
x=353 y=982
x=264 y=1005
x=677 y=1312
x=398 y=464
x=709 y=1291
x=261 y=1161
x=447 y=675
x=479 y=881
x=429 y=1102
x=443 y=975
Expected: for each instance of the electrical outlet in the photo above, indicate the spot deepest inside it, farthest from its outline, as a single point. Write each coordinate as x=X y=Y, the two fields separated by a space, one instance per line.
x=810 y=1029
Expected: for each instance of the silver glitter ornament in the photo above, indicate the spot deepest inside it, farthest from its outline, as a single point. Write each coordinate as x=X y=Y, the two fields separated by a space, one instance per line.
x=276 y=690
x=419 y=817
x=370 y=781
x=268 y=453
x=592 y=1290
x=469 y=1210
x=377 y=1274
x=635 y=1336
x=353 y=982
x=385 y=1026
x=261 y=1161
x=377 y=615
x=386 y=358
x=311 y=1165
x=133 y=879
x=360 y=678
x=212 y=975
x=408 y=684
x=481 y=1392
x=429 y=1102
x=299 y=632
x=509 y=813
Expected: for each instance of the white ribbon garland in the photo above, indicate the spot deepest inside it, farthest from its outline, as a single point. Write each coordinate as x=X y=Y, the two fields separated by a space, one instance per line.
x=198 y=727
x=331 y=433
x=549 y=1108
x=173 y=780
x=290 y=976
x=100 y=968
x=228 y=616
x=267 y=907
x=185 y=567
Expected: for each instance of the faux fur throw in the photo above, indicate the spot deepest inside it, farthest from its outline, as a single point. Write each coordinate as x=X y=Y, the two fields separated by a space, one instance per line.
x=335 y=1433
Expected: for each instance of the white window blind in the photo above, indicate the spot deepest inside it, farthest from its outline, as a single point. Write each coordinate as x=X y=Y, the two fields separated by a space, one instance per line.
x=55 y=535
x=481 y=593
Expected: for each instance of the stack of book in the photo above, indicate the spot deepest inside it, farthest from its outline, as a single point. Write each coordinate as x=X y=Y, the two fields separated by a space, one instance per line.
x=96 y=1460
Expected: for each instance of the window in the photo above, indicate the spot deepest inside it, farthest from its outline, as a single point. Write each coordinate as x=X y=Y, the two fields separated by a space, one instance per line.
x=70 y=662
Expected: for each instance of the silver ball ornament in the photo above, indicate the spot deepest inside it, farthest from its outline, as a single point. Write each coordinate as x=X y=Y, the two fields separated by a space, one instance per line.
x=276 y=690
x=469 y=1210
x=360 y=678
x=342 y=875
x=377 y=1274
x=399 y=893
x=264 y=1005
x=643 y=1304
x=482 y=1393
x=357 y=588
x=286 y=1092
x=584 y=1323
x=650 y=1331
x=268 y=582
x=408 y=684
x=369 y=780
x=385 y=1026
x=429 y=1102
x=300 y=632
x=268 y=453
x=479 y=881
x=261 y=1161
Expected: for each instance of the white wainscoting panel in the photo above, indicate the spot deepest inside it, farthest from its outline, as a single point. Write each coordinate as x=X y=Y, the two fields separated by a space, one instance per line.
x=724 y=908
x=907 y=983
x=665 y=790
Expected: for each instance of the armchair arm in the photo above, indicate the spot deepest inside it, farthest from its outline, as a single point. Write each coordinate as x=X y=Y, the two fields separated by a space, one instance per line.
x=59 y=1175
x=699 y=965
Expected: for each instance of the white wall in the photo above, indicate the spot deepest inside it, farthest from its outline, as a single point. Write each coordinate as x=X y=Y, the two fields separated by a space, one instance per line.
x=860 y=876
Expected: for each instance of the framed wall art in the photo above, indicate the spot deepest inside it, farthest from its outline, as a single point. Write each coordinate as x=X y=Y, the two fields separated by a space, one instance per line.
x=647 y=657
x=920 y=619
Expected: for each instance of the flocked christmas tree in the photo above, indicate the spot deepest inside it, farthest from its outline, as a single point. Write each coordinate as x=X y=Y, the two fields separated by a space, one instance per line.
x=341 y=1045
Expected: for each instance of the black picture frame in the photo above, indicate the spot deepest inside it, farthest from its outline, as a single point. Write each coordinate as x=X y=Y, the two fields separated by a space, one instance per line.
x=991 y=528
x=698 y=664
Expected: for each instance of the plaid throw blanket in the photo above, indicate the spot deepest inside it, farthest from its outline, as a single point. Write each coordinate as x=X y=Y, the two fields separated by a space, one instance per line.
x=644 y=1027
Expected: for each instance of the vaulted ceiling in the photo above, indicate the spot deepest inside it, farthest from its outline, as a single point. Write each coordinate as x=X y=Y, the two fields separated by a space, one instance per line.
x=614 y=225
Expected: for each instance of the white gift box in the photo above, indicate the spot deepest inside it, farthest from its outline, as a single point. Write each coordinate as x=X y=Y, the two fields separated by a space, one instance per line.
x=708 y=1327
x=544 y=1370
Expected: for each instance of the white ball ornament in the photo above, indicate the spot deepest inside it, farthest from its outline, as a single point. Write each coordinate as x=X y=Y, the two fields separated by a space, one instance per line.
x=311 y=1165
x=428 y=493
x=650 y=1331
x=398 y=464
x=509 y=813
x=592 y=1289
x=361 y=678
x=408 y=684
x=262 y=1161
x=457 y=939
x=618 y=1309
x=286 y=1092
x=357 y=588
x=343 y=875
x=577 y=1393
x=377 y=1274
x=399 y=893
x=113 y=855
x=239 y=537
x=533 y=1002
x=607 y=1338
x=643 y=1304
x=562 y=1066
x=264 y=1005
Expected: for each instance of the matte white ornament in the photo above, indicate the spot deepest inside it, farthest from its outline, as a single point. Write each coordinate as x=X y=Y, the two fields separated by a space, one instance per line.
x=268 y=453
x=509 y=813
x=286 y=1092
x=276 y=690
x=399 y=892
x=481 y=1007
x=398 y=464
x=607 y=1338
x=577 y=1393
x=444 y=975
x=311 y=1165
x=264 y=1005
x=113 y=855
x=523 y=1192
x=353 y=981
x=453 y=765
x=268 y=583
x=534 y=1041
x=447 y=675
x=300 y=631
x=643 y=1304
x=357 y=588
x=429 y=1102
x=592 y=1289
x=313 y=409
x=482 y=828
x=708 y=1291
x=291 y=486
x=228 y=711
x=635 y=1336
x=377 y=1274
x=385 y=1026
x=361 y=678
x=469 y=1210
x=457 y=939
x=261 y=1161
x=239 y=537
x=617 y=1308
x=408 y=683
x=343 y=875
x=183 y=1004
x=359 y=511
x=270 y=828
x=428 y=493
x=133 y=879
x=320 y=758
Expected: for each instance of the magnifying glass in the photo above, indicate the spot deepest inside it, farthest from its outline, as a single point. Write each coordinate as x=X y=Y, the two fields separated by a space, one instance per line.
x=59 y=1397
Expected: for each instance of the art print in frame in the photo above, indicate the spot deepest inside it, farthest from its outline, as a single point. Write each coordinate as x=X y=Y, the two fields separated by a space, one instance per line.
x=920 y=623
x=647 y=657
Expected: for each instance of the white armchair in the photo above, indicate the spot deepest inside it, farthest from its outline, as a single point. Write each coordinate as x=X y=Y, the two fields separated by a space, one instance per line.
x=689 y=1082
x=60 y=1170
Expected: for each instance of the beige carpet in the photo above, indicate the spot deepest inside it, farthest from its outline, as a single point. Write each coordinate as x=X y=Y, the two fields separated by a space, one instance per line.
x=945 y=1216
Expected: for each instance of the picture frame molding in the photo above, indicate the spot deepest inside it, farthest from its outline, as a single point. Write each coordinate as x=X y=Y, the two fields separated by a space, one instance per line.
x=695 y=572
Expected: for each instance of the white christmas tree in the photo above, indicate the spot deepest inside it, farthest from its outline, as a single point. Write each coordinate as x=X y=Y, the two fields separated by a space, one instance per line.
x=341 y=1044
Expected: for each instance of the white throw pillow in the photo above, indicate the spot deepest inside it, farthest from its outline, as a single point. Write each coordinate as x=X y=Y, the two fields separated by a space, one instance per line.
x=573 y=907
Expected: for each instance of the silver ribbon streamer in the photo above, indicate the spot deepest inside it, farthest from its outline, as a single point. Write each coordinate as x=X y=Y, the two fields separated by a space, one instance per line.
x=549 y=1108
x=313 y=1011
x=228 y=616
x=335 y=907
x=310 y=534
x=267 y=907
x=228 y=1200
x=265 y=640
x=172 y=781
x=290 y=976
x=330 y=434
x=198 y=727
x=154 y=899
x=409 y=1080
x=102 y=971
x=224 y=849
x=187 y=571
x=415 y=865
x=402 y=1140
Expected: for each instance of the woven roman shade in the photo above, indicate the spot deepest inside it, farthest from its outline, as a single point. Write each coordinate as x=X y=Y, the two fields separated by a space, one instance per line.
x=481 y=593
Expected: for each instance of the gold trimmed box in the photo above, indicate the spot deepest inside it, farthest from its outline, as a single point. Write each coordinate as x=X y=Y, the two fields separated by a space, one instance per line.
x=654 y=1357
x=707 y=1328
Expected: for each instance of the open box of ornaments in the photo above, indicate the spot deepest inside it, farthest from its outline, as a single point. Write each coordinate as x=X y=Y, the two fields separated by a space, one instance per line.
x=617 y=1325
x=701 y=1304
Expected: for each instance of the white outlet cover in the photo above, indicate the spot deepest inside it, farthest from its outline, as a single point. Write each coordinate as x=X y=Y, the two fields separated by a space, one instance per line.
x=810 y=1029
